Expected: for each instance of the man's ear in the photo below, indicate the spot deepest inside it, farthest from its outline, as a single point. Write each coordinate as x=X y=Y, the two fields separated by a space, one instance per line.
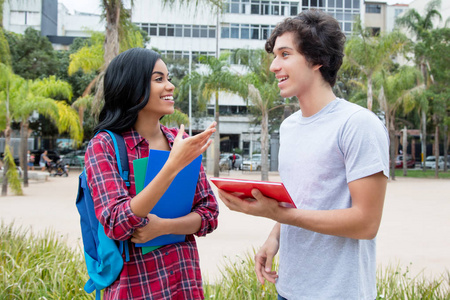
x=316 y=67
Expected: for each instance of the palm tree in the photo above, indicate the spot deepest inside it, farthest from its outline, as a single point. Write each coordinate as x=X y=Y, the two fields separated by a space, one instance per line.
x=370 y=53
x=263 y=94
x=38 y=96
x=421 y=26
x=397 y=91
x=7 y=79
x=219 y=78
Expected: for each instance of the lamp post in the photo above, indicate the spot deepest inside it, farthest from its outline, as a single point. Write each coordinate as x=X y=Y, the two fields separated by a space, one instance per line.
x=251 y=130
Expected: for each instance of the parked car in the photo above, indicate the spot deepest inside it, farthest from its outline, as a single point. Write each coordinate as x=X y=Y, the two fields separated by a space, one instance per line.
x=74 y=159
x=226 y=160
x=430 y=162
x=253 y=164
x=410 y=162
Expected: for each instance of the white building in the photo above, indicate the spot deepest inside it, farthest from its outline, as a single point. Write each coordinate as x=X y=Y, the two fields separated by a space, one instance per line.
x=178 y=31
x=53 y=19
x=246 y=24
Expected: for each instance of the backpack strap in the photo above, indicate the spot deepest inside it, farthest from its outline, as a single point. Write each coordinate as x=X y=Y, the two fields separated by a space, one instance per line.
x=124 y=170
x=121 y=155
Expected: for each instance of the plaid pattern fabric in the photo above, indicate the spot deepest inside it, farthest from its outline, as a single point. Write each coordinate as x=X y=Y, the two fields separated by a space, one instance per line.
x=170 y=272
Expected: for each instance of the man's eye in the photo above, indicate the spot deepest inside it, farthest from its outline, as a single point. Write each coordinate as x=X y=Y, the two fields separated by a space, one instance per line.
x=169 y=79
x=284 y=54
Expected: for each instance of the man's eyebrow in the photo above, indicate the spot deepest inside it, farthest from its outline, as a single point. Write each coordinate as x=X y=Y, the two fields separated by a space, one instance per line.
x=284 y=48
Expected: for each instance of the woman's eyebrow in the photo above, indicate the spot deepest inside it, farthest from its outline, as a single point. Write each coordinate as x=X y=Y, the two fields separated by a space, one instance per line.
x=158 y=72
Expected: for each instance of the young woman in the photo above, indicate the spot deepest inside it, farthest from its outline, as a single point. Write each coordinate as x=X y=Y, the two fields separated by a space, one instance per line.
x=138 y=92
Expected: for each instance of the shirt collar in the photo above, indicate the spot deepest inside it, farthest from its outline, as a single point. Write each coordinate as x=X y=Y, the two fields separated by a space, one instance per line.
x=133 y=138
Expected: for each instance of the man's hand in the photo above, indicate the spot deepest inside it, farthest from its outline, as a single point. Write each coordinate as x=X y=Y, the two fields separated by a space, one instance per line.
x=261 y=206
x=264 y=258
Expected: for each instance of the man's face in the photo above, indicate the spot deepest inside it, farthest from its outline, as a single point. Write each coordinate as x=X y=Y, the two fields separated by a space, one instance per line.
x=295 y=75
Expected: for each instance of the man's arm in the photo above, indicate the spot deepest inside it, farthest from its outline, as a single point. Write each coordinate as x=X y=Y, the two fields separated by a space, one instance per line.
x=360 y=221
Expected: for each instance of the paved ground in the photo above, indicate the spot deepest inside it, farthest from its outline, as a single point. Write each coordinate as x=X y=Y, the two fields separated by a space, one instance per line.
x=415 y=229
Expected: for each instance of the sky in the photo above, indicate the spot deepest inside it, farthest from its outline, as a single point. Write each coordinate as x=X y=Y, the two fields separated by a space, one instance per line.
x=93 y=6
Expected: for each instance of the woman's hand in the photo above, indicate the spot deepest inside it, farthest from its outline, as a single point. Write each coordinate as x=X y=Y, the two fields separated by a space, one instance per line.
x=184 y=151
x=155 y=227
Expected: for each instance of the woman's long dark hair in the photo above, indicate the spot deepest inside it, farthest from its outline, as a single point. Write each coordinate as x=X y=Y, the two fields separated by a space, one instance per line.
x=126 y=88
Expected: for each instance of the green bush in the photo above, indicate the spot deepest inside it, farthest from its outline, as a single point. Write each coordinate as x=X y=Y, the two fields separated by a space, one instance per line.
x=39 y=267
x=44 y=267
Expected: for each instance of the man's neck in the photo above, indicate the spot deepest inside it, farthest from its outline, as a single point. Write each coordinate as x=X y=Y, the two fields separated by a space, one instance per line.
x=317 y=98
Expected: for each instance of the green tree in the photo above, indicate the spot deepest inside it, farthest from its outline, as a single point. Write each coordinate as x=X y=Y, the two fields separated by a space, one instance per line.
x=263 y=94
x=32 y=55
x=420 y=26
x=438 y=53
x=218 y=78
x=8 y=79
x=398 y=92
x=371 y=53
x=39 y=96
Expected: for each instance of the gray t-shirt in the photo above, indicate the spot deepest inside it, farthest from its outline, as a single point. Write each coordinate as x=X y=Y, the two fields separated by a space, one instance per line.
x=319 y=156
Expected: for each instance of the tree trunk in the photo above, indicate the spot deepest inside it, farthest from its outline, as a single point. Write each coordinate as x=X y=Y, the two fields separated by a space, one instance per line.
x=217 y=138
x=111 y=47
x=445 y=148
x=23 y=150
x=424 y=138
x=392 y=146
x=436 y=151
x=405 y=147
x=264 y=145
x=369 y=93
x=112 y=30
x=7 y=143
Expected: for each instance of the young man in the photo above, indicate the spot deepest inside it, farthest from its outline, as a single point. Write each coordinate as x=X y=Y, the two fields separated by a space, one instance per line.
x=333 y=160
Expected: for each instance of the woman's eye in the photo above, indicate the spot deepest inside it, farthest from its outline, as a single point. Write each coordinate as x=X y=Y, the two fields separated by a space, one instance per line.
x=158 y=79
x=169 y=79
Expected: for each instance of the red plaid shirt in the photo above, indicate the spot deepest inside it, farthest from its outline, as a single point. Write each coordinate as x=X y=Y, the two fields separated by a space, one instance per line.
x=170 y=272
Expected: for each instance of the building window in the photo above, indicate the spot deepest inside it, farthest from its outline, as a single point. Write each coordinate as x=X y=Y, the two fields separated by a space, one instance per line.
x=397 y=11
x=153 y=29
x=374 y=31
x=30 y=18
x=234 y=31
x=254 y=32
x=373 y=8
x=225 y=32
x=170 y=30
x=179 y=30
x=245 y=31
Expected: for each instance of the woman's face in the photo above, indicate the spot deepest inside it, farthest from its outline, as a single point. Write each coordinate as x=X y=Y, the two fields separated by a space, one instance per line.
x=161 y=101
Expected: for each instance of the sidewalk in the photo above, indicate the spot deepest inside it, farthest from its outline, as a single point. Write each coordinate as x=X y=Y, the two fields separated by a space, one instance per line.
x=414 y=233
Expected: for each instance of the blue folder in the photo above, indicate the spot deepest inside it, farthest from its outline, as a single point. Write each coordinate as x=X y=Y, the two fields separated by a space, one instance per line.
x=178 y=198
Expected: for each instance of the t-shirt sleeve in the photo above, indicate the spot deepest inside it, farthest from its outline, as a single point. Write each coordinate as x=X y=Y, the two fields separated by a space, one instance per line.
x=365 y=144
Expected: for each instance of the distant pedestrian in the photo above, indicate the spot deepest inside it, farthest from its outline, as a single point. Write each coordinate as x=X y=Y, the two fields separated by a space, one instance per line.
x=233 y=160
x=44 y=161
x=30 y=160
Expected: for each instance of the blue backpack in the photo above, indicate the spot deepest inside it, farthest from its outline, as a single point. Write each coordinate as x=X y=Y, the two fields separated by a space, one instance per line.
x=103 y=255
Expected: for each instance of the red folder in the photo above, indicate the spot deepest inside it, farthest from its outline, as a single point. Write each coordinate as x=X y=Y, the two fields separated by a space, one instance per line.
x=242 y=188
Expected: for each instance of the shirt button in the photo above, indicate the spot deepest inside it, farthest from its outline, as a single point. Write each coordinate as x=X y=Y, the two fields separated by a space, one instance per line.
x=167 y=253
x=171 y=272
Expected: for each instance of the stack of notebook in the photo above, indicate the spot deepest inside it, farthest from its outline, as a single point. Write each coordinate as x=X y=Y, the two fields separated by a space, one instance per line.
x=176 y=201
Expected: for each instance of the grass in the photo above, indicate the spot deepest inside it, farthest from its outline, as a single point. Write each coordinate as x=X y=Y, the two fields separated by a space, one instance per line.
x=39 y=267
x=418 y=173
x=44 y=267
